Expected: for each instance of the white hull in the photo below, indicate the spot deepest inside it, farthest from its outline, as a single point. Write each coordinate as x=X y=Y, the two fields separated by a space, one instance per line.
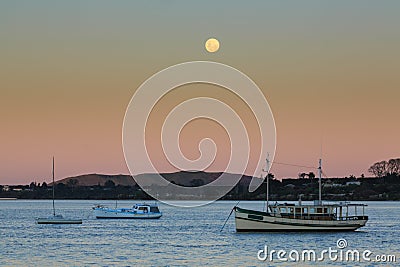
x=247 y=222
x=110 y=214
x=58 y=220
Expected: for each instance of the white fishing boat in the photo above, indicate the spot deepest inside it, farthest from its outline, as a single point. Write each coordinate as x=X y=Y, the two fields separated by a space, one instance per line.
x=138 y=211
x=56 y=218
x=285 y=217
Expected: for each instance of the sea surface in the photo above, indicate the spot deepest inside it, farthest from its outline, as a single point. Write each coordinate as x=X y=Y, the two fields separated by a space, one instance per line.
x=181 y=237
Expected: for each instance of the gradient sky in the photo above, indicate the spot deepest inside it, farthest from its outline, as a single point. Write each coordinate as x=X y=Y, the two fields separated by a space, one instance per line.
x=329 y=69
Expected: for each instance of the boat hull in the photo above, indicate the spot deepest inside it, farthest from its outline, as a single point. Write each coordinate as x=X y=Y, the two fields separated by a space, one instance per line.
x=107 y=214
x=58 y=221
x=254 y=221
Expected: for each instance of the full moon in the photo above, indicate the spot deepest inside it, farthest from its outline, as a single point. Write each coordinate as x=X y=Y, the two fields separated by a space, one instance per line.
x=212 y=45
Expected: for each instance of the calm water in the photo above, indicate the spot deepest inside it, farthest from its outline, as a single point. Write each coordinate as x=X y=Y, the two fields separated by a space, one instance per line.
x=182 y=237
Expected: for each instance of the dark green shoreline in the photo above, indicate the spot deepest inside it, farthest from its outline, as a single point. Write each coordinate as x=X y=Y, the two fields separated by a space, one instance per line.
x=335 y=189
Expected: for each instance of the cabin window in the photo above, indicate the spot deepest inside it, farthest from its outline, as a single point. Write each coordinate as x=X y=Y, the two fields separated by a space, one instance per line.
x=143 y=209
x=305 y=210
x=154 y=209
x=283 y=210
x=319 y=210
x=312 y=210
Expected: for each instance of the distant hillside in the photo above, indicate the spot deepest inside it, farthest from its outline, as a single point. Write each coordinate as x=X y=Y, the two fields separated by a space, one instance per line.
x=191 y=178
x=183 y=178
x=99 y=179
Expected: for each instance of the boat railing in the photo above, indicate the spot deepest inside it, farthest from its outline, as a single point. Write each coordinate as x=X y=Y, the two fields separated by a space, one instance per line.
x=318 y=217
x=98 y=206
x=351 y=218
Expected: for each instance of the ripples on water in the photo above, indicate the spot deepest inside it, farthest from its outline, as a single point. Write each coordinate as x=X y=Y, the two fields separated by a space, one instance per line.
x=182 y=237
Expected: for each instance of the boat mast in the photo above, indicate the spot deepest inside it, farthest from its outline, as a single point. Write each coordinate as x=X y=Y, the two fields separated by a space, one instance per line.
x=268 y=163
x=54 y=210
x=319 y=181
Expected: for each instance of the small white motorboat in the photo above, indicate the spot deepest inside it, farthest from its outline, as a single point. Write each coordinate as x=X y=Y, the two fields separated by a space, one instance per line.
x=138 y=211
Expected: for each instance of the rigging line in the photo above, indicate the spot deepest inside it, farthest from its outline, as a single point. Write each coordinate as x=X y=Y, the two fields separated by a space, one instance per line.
x=324 y=174
x=295 y=165
x=229 y=216
x=264 y=198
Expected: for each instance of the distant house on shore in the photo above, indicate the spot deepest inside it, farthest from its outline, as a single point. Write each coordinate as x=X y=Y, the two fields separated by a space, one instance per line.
x=353 y=183
x=290 y=186
x=329 y=183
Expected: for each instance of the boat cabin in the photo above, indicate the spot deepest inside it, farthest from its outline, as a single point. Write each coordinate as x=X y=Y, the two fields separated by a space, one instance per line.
x=325 y=212
x=146 y=208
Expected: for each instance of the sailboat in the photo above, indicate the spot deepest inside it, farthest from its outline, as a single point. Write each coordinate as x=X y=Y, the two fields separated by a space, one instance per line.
x=291 y=217
x=57 y=218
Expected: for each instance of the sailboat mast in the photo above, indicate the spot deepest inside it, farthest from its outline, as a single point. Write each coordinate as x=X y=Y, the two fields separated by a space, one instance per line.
x=54 y=210
x=319 y=180
x=267 y=195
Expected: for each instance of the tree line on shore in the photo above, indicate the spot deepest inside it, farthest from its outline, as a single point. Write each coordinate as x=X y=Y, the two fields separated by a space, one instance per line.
x=380 y=188
x=385 y=168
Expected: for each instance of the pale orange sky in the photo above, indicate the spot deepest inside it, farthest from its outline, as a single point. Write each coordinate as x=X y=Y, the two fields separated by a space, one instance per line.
x=330 y=71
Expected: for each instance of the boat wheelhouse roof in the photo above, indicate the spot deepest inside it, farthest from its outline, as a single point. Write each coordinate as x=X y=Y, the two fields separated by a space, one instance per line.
x=322 y=205
x=145 y=205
